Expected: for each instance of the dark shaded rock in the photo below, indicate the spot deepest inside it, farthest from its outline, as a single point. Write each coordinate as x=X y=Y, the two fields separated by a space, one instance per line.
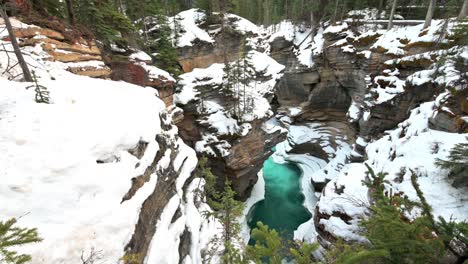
x=184 y=246
x=387 y=115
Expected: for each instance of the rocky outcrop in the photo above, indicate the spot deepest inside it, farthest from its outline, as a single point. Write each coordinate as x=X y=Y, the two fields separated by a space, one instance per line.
x=165 y=189
x=81 y=57
x=247 y=156
x=203 y=54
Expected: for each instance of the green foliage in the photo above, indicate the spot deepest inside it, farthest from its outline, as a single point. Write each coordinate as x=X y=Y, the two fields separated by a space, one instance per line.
x=270 y=248
x=268 y=245
x=166 y=55
x=459 y=34
x=42 y=94
x=12 y=236
x=104 y=20
x=393 y=238
x=303 y=253
x=204 y=171
x=227 y=210
x=342 y=253
x=457 y=162
x=455 y=234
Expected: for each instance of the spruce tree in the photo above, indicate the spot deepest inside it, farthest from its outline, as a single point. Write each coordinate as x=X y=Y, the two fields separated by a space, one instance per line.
x=227 y=210
x=456 y=163
x=104 y=20
x=268 y=245
x=393 y=238
x=11 y=237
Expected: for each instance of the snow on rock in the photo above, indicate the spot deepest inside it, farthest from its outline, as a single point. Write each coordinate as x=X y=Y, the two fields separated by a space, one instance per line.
x=140 y=56
x=305 y=46
x=189 y=27
x=414 y=146
x=395 y=40
x=213 y=100
x=337 y=28
x=189 y=22
x=68 y=163
x=411 y=146
x=345 y=195
x=49 y=163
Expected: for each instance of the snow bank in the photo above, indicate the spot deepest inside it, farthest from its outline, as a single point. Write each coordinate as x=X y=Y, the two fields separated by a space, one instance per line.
x=50 y=163
x=410 y=146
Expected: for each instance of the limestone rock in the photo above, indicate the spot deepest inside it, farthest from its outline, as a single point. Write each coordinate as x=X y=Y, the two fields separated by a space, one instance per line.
x=32 y=32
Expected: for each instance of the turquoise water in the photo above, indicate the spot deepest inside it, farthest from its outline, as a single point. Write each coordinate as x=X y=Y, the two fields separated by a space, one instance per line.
x=282 y=208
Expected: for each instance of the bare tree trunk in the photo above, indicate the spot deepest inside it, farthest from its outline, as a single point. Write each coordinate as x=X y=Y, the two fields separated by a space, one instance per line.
x=336 y=10
x=313 y=25
x=379 y=9
x=464 y=10
x=71 y=12
x=430 y=13
x=392 y=14
x=14 y=43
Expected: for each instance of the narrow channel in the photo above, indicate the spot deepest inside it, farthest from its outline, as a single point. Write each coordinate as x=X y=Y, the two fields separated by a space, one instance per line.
x=282 y=209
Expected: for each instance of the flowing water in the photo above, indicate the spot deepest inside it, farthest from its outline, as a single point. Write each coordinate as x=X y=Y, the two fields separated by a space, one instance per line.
x=282 y=209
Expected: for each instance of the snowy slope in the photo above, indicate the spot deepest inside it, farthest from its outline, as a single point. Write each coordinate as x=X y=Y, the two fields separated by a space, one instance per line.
x=66 y=166
x=411 y=146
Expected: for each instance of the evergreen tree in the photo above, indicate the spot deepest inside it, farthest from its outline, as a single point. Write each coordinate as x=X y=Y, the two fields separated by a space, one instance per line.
x=270 y=248
x=11 y=237
x=393 y=238
x=303 y=253
x=457 y=163
x=268 y=245
x=203 y=171
x=227 y=210
x=104 y=20
x=166 y=54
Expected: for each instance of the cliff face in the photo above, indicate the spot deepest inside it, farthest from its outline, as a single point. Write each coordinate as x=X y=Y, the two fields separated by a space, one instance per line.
x=227 y=124
x=108 y=162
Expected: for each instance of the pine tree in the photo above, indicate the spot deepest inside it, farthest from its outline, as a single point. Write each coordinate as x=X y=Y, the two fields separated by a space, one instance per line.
x=166 y=54
x=457 y=163
x=342 y=253
x=204 y=171
x=227 y=210
x=303 y=253
x=104 y=20
x=394 y=239
x=11 y=237
x=268 y=245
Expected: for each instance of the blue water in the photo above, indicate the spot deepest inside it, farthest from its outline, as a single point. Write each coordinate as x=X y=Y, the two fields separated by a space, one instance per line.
x=282 y=209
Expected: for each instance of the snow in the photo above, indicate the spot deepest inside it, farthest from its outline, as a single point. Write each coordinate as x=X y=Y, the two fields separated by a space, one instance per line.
x=223 y=124
x=304 y=47
x=49 y=158
x=140 y=56
x=156 y=73
x=243 y=25
x=354 y=112
x=189 y=22
x=391 y=40
x=67 y=164
x=257 y=194
x=189 y=27
x=337 y=28
x=413 y=151
x=205 y=87
x=405 y=148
